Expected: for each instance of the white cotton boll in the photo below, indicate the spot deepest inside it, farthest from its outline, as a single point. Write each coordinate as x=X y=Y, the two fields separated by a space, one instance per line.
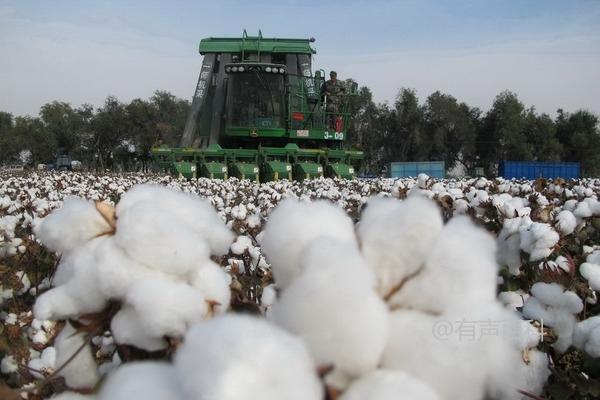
x=527 y=336
x=151 y=237
x=586 y=336
x=166 y=308
x=396 y=237
x=389 y=385
x=184 y=209
x=452 y=367
x=555 y=295
x=234 y=357
x=80 y=372
x=460 y=269
x=566 y=222
x=268 y=297
x=538 y=240
x=591 y=272
x=292 y=226
x=76 y=294
x=241 y=244
x=68 y=227
x=509 y=245
x=332 y=305
x=513 y=299
x=582 y=210
x=593 y=257
x=117 y=272
x=142 y=380
x=461 y=206
x=8 y=365
x=213 y=282
x=127 y=328
x=422 y=180
x=73 y=396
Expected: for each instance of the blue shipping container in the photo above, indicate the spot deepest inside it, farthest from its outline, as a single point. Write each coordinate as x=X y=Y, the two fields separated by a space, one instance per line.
x=538 y=169
x=435 y=169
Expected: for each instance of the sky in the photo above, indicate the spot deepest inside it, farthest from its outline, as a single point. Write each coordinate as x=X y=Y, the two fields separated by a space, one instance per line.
x=81 y=51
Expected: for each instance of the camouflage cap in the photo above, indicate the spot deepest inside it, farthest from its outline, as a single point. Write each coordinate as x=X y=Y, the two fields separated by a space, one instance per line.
x=333 y=73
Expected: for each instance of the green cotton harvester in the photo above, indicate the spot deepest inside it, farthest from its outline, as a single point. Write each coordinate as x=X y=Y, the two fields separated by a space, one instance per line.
x=258 y=113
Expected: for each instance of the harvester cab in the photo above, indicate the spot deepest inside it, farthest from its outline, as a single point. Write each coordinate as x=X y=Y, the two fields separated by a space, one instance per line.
x=258 y=113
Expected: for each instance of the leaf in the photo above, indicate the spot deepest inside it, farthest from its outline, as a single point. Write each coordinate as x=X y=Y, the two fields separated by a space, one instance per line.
x=559 y=392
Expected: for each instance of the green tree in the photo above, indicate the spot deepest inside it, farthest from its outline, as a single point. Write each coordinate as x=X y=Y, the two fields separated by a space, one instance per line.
x=7 y=142
x=578 y=133
x=540 y=131
x=407 y=140
x=108 y=132
x=34 y=139
x=142 y=122
x=171 y=114
x=64 y=123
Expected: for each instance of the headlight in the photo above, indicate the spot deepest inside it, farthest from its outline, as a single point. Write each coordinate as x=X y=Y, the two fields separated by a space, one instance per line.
x=275 y=71
x=241 y=69
x=234 y=69
x=224 y=169
x=255 y=170
x=193 y=168
x=228 y=69
x=288 y=168
x=268 y=69
x=281 y=70
x=351 y=170
x=319 y=169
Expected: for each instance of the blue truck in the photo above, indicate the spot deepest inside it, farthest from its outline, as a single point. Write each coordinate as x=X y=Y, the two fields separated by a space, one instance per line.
x=538 y=169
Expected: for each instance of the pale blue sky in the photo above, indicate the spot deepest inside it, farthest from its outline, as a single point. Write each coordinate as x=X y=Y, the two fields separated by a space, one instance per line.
x=548 y=51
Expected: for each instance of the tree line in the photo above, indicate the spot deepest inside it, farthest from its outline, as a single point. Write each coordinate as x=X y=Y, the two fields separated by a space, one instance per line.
x=120 y=136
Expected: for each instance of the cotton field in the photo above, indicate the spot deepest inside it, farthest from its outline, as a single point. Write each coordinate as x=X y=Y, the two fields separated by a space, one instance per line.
x=149 y=287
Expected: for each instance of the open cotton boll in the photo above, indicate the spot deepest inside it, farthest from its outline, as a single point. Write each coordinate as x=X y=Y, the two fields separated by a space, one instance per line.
x=509 y=244
x=73 y=396
x=389 y=385
x=234 y=357
x=213 y=282
x=117 y=272
x=591 y=272
x=534 y=374
x=556 y=307
x=333 y=306
x=126 y=327
x=460 y=269
x=70 y=226
x=292 y=226
x=566 y=222
x=80 y=372
x=142 y=380
x=187 y=209
x=77 y=291
x=166 y=308
x=586 y=336
x=451 y=366
x=396 y=237
x=150 y=236
x=538 y=240
x=241 y=244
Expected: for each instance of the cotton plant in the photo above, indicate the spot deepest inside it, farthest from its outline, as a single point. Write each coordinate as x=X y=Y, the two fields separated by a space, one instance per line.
x=145 y=254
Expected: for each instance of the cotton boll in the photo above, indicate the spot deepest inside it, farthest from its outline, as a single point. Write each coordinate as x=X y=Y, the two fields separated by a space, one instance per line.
x=212 y=281
x=241 y=244
x=452 y=367
x=127 y=328
x=591 y=272
x=183 y=209
x=555 y=295
x=331 y=305
x=76 y=294
x=586 y=336
x=582 y=210
x=73 y=396
x=151 y=237
x=234 y=357
x=460 y=269
x=396 y=237
x=70 y=226
x=389 y=385
x=513 y=299
x=566 y=222
x=166 y=308
x=117 y=272
x=142 y=380
x=292 y=226
x=80 y=372
x=538 y=240
x=534 y=374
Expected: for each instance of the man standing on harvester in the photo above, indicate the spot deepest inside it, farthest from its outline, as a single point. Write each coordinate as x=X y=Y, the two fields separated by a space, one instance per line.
x=333 y=90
